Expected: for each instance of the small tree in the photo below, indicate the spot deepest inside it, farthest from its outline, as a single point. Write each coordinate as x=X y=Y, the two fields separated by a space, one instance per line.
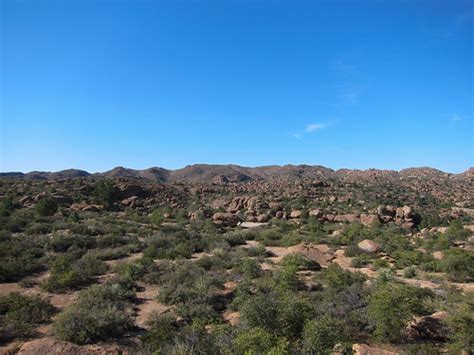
x=106 y=193
x=47 y=206
x=461 y=322
x=320 y=336
x=391 y=306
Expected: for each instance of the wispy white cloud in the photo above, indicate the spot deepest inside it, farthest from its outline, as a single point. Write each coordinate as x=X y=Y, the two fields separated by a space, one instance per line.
x=312 y=127
x=456 y=117
x=309 y=129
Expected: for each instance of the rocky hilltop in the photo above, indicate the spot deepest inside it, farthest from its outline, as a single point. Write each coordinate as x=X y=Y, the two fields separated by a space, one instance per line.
x=205 y=173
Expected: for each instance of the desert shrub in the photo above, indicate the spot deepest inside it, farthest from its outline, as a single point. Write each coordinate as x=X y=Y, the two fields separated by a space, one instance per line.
x=321 y=335
x=258 y=250
x=250 y=268
x=47 y=206
x=410 y=272
x=19 y=314
x=410 y=257
x=162 y=329
x=62 y=243
x=157 y=217
x=338 y=279
x=7 y=206
x=135 y=270
x=348 y=305
x=271 y=237
x=193 y=339
x=300 y=261
x=106 y=193
x=39 y=228
x=361 y=261
x=20 y=256
x=234 y=238
x=259 y=341
x=461 y=323
x=457 y=232
x=458 y=265
x=280 y=314
x=192 y=290
x=391 y=306
x=100 y=313
x=67 y=274
x=380 y=263
x=111 y=241
x=174 y=244
x=286 y=278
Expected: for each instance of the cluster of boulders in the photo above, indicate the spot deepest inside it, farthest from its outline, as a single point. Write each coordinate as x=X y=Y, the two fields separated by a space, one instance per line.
x=29 y=201
x=402 y=216
x=254 y=209
x=86 y=207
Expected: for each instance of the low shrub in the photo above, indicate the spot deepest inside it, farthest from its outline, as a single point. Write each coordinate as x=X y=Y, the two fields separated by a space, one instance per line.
x=19 y=314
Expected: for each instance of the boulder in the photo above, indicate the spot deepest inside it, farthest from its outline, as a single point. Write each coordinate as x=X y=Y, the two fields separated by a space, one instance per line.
x=129 y=201
x=368 y=246
x=369 y=219
x=225 y=219
x=346 y=218
x=362 y=349
x=263 y=218
x=429 y=328
x=279 y=214
x=407 y=211
x=84 y=206
x=316 y=213
x=296 y=214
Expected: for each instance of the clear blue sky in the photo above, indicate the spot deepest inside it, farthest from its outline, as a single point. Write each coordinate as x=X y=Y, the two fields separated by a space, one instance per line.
x=96 y=84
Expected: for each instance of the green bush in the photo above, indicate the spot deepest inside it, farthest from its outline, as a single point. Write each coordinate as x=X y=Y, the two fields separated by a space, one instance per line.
x=47 y=206
x=321 y=335
x=391 y=306
x=255 y=341
x=338 y=279
x=67 y=274
x=461 y=323
x=162 y=328
x=100 y=313
x=19 y=314
x=458 y=265
x=106 y=193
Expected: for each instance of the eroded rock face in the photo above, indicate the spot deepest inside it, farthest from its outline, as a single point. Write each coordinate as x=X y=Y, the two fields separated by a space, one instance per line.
x=369 y=246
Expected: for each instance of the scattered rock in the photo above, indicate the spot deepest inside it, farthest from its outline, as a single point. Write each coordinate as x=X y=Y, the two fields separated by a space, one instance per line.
x=369 y=219
x=368 y=246
x=296 y=214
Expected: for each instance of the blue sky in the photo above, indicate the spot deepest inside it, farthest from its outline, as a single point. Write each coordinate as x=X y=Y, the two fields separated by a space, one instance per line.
x=356 y=84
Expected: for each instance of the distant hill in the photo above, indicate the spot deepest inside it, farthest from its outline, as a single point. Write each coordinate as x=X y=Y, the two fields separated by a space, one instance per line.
x=206 y=173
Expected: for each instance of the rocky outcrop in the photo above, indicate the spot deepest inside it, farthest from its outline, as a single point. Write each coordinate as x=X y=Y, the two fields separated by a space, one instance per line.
x=362 y=349
x=225 y=219
x=429 y=327
x=86 y=207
